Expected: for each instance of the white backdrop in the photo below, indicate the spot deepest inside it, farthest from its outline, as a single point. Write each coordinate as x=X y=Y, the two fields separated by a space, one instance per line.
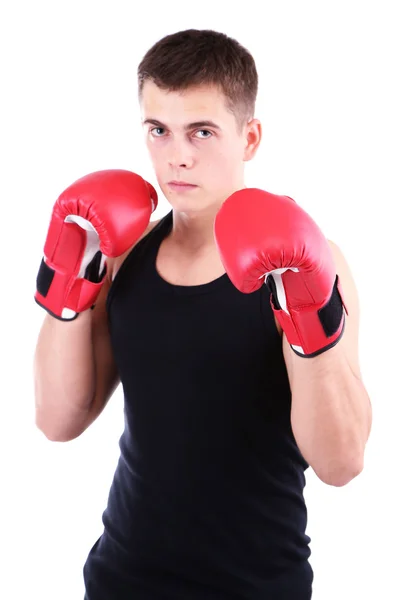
x=336 y=102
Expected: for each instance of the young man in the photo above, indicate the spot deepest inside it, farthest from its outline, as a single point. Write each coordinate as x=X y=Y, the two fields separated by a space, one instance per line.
x=232 y=324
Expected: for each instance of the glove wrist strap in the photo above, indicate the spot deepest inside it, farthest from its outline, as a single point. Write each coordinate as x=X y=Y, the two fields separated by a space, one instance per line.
x=311 y=331
x=64 y=295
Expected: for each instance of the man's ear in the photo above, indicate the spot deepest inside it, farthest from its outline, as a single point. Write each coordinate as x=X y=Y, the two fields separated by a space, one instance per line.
x=253 y=136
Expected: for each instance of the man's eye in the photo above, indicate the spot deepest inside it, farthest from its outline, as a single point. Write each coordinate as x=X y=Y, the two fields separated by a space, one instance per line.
x=158 y=129
x=205 y=131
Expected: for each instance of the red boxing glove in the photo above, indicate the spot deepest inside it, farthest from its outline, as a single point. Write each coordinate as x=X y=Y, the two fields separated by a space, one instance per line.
x=266 y=238
x=100 y=215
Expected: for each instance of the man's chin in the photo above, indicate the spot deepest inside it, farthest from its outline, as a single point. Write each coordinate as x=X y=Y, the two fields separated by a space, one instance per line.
x=193 y=204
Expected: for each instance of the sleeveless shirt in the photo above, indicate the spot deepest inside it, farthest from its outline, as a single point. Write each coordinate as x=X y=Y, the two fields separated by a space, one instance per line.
x=206 y=502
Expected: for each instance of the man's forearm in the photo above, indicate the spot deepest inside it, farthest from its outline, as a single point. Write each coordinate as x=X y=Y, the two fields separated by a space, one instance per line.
x=64 y=374
x=331 y=415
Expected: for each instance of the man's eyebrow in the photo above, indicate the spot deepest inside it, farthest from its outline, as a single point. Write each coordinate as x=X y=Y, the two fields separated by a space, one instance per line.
x=194 y=125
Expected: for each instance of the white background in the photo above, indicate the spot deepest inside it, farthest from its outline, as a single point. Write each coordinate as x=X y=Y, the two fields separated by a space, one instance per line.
x=336 y=103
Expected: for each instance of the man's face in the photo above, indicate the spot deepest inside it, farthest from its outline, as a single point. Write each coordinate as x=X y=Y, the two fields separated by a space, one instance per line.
x=192 y=137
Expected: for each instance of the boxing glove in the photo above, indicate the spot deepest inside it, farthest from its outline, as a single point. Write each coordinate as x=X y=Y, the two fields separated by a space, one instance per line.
x=100 y=215
x=263 y=238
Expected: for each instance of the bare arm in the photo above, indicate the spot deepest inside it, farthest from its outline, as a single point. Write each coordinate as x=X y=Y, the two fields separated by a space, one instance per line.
x=74 y=372
x=74 y=369
x=331 y=409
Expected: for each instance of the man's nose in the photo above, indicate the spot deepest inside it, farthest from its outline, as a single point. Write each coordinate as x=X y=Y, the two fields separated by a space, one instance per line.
x=180 y=154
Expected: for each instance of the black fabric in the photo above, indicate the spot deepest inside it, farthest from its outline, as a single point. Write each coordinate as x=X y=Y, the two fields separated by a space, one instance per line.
x=271 y=284
x=207 y=498
x=92 y=271
x=331 y=314
x=44 y=278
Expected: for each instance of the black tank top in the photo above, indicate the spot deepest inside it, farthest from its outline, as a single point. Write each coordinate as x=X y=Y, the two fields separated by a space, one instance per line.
x=207 y=498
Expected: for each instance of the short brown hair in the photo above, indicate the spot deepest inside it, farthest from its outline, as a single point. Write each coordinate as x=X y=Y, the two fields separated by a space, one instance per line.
x=203 y=57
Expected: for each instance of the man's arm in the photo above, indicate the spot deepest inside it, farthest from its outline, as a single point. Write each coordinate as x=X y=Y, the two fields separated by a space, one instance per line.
x=278 y=244
x=74 y=372
x=331 y=410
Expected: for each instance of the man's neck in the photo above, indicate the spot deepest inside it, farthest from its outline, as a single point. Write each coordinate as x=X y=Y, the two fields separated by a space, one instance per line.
x=193 y=232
